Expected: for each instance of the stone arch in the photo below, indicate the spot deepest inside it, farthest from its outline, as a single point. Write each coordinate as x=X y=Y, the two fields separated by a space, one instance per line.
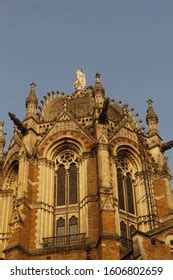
x=130 y=150
x=124 y=140
x=9 y=163
x=11 y=181
x=48 y=146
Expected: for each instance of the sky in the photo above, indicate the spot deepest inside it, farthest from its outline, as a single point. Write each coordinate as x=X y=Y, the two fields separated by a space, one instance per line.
x=130 y=42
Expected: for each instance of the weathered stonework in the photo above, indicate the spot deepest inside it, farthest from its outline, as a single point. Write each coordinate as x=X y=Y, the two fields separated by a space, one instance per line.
x=81 y=180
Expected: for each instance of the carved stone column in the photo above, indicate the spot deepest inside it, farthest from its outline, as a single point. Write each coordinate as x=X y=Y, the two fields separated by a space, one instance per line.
x=108 y=235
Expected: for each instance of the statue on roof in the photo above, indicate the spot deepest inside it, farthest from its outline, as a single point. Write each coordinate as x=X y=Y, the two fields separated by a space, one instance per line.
x=80 y=82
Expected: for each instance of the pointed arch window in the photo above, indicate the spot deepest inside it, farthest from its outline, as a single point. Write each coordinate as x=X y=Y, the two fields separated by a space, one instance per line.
x=120 y=189
x=67 y=179
x=60 y=227
x=66 y=195
x=126 y=168
x=123 y=233
x=123 y=230
x=73 y=184
x=73 y=225
x=61 y=176
x=129 y=192
x=126 y=231
x=125 y=191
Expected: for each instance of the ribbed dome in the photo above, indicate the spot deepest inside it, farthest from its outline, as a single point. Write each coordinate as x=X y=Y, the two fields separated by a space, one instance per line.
x=79 y=105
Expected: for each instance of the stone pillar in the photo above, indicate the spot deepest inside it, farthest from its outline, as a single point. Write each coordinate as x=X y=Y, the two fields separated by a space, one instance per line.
x=108 y=240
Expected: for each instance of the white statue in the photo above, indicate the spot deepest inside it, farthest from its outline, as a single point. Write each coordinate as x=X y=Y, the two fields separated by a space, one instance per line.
x=80 y=82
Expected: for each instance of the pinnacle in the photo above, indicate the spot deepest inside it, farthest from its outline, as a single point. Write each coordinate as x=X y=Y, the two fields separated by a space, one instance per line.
x=151 y=114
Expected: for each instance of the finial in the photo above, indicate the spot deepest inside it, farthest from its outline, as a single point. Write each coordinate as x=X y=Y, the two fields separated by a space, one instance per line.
x=31 y=99
x=33 y=85
x=150 y=102
x=98 y=85
x=151 y=116
x=97 y=75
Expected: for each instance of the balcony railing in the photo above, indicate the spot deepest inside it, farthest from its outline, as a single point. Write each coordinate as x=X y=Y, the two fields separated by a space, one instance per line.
x=75 y=240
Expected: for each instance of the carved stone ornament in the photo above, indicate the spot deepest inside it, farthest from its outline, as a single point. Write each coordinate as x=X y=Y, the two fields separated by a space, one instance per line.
x=16 y=217
x=103 y=139
x=107 y=203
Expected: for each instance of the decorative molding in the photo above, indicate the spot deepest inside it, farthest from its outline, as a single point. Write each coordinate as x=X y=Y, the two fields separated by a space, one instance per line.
x=16 y=217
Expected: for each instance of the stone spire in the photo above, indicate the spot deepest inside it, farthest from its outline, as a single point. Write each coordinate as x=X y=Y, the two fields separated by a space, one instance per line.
x=2 y=140
x=98 y=85
x=99 y=96
x=151 y=118
x=31 y=101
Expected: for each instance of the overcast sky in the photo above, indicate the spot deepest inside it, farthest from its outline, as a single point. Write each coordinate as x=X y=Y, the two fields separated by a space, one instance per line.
x=130 y=42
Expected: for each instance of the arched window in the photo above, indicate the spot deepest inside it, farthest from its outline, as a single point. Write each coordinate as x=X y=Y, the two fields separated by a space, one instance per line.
x=60 y=227
x=66 y=195
x=120 y=189
x=61 y=174
x=73 y=225
x=123 y=230
x=73 y=184
x=67 y=179
x=125 y=188
x=129 y=192
x=126 y=234
x=123 y=234
x=126 y=196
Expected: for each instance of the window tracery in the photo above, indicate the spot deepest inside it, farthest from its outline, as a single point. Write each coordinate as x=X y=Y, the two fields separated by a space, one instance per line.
x=125 y=186
x=67 y=178
x=126 y=169
x=67 y=192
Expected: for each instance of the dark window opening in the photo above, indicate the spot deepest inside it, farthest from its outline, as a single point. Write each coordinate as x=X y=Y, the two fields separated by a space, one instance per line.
x=61 y=186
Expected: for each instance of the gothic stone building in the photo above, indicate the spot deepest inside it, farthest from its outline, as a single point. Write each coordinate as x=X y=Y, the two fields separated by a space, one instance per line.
x=82 y=180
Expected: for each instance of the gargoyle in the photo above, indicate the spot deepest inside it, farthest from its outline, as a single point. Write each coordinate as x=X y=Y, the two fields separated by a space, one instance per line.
x=18 y=123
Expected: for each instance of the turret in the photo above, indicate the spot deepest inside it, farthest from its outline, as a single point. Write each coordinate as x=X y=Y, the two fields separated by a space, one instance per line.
x=99 y=96
x=151 y=119
x=154 y=140
x=31 y=101
x=99 y=91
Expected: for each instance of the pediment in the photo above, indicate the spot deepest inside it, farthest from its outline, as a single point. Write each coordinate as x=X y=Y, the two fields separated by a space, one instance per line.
x=126 y=131
x=65 y=122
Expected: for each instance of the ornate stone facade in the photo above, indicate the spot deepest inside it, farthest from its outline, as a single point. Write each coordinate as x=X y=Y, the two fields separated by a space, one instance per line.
x=82 y=180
